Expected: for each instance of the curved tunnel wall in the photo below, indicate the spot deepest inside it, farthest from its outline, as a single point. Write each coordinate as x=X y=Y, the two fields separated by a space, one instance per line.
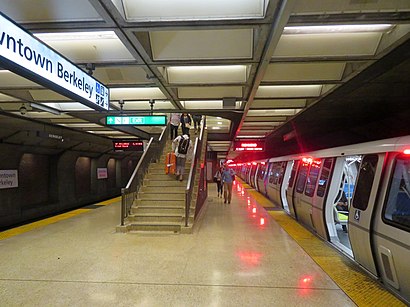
x=48 y=184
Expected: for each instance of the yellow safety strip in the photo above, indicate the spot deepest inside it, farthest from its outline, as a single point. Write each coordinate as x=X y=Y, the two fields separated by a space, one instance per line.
x=51 y=220
x=361 y=288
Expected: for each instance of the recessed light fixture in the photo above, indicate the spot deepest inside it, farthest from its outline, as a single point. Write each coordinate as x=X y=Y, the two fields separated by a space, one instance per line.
x=337 y=29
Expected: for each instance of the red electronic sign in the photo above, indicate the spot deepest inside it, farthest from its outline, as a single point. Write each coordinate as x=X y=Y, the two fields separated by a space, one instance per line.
x=249 y=145
x=128 y=145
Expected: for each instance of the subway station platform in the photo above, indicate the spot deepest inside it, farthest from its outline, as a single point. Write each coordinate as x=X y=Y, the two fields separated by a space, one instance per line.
x=247 y=253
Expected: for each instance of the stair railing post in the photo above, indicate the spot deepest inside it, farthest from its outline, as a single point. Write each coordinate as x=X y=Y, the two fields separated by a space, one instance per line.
x=123 y=204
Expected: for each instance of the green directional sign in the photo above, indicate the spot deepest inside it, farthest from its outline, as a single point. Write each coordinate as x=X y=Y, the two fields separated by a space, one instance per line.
x=142 y=120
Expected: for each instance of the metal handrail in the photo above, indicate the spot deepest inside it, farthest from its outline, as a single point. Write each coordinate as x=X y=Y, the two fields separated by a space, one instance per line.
x=192 y=172
x=191 y=177
x=152 y=152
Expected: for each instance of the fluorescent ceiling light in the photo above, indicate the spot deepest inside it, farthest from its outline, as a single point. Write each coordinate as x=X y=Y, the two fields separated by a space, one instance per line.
x=337 y=29
x=249 y=136
x=107 y=132
x=44 y=108
x=68 y=106
x=82 y=125
x=209 y=69
x=75 y=36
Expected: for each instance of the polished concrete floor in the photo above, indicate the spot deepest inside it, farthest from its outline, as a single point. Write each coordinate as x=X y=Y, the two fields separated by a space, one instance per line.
x=233 y=258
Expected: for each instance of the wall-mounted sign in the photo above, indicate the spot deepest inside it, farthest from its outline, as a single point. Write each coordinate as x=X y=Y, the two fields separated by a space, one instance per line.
x=102 y=173
x=128 y=145
x=48 y=135
x=143 y=120
x=28 y=57
x=8 y=179
x=249 y=145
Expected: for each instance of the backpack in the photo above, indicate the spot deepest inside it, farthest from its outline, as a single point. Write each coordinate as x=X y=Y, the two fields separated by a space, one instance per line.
x=183 y=146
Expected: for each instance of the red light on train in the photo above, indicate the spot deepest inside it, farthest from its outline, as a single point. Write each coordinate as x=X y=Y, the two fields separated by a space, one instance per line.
x=263 y=163
x=254 y=163
x=253 y=210
x=262 y=221
x=307 y=160
x=406 y=151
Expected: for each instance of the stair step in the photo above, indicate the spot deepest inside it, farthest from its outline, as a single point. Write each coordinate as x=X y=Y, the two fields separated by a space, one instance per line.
x=158 y=210
x=142 y=226
x=159 y=196
x=161 y=177
x=165 y=203
x=164 y=183
x=163 y=189
x=155 y=218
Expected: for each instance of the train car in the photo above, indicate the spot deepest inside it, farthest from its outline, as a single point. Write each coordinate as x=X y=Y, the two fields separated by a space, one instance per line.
x=356 y=197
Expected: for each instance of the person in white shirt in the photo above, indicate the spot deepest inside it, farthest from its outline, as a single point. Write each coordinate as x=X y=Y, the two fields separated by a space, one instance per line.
x=175 y=121
x=182 y=146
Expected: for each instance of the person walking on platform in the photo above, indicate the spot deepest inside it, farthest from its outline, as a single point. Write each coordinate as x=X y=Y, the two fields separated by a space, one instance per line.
x=175 y=121
x=182 y=146
x=186 y=122
x=218 y=180
x=228 y=176
x=197 y=122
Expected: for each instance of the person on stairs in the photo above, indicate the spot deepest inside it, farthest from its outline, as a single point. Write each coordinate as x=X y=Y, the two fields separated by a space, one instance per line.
x=175 y=121
x=182 y=146
x=186 y=122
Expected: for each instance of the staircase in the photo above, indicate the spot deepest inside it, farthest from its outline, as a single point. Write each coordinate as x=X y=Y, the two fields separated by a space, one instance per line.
x=160 y=203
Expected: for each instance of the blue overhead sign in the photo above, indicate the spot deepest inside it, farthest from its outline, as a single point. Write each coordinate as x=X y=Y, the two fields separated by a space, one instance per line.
x=27 y=56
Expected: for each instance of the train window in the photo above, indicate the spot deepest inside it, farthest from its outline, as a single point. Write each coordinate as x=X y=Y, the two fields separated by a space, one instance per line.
x=324 y=177
x=365 y=182
x=293 y=173
x=397 y=208
x=261 y=172
x=282 y=171
x=301 y=181
x=312 y=178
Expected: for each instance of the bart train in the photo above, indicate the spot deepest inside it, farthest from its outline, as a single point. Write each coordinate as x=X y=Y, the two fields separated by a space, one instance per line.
x=356 y=197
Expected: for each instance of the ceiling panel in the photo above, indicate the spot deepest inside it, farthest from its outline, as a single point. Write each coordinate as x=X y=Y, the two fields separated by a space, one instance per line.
x=281 y=91
x=121 y=75
x=209 y=92
x=160 y=10
x=207 y=74
x=327 y=44
x=88 y=47
x=49 y=10
x=202 y=44
x=136 y=93
x=349 y=6
x=278 y=103
x=144 y=105
x=316 y=71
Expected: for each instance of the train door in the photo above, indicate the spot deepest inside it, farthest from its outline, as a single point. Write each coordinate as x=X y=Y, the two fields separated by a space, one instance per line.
x=294 y=165
x=319 y=200
x=339 y=201
x=285 y=186
x=261 y=178
x=392 y=226
x=360 y=215
x=252 y=179
x=272 y=184
x=302 y=212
